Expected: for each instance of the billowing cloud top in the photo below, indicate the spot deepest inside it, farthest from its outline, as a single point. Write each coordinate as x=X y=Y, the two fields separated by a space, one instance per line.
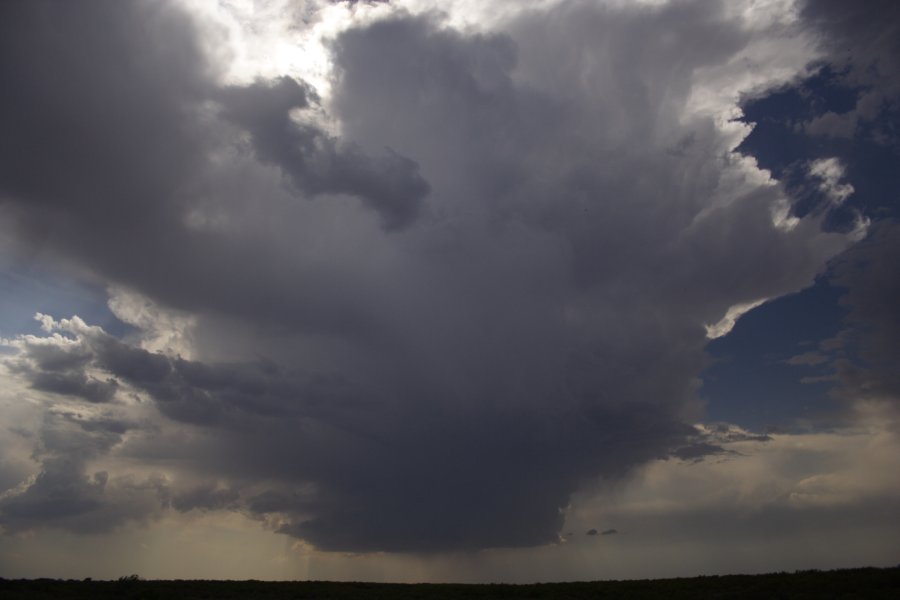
x=414 y=313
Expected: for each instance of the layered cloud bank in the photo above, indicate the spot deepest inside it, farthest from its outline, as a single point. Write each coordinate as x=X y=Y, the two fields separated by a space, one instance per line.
x=412 y=306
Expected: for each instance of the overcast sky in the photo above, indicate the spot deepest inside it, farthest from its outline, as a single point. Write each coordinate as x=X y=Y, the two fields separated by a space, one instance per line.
x=448 y=291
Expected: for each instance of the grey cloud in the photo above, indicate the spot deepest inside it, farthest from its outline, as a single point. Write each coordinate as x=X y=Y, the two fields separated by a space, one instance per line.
x=818 y=379
x=540 y=326
x=65 y=495
x=56 y=358
x=609 y=532
x=113 y=99
x=318 y=163
x=78 y=437
x=60 y=368
x=495 y=486
x=225 y=393
x=833 y=125
x=466 y=466
x=205 y=497
x=807 y=359
x=276 y=501
x=184 y=390
x=102 y=130
x=95 y=123
x=541 y=148
x=871 y=341
x=75 y=384
x=62 y=496
x=698 y=451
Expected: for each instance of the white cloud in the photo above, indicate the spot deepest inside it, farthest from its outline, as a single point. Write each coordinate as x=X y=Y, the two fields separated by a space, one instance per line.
x=264 y=40
x=727 y=323
x=160 y=329
x=830 y=172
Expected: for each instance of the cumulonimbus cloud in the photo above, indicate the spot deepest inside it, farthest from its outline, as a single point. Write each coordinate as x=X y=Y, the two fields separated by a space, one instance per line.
x=559 y=214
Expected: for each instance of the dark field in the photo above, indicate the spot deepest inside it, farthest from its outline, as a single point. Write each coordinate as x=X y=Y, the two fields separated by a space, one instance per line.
x=850 y=583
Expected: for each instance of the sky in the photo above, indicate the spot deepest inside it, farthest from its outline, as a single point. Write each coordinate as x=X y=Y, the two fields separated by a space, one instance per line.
x=448 y=291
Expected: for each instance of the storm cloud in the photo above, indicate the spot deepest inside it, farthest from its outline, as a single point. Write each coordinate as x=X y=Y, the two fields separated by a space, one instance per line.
x=316 y=162
x=425 y=309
